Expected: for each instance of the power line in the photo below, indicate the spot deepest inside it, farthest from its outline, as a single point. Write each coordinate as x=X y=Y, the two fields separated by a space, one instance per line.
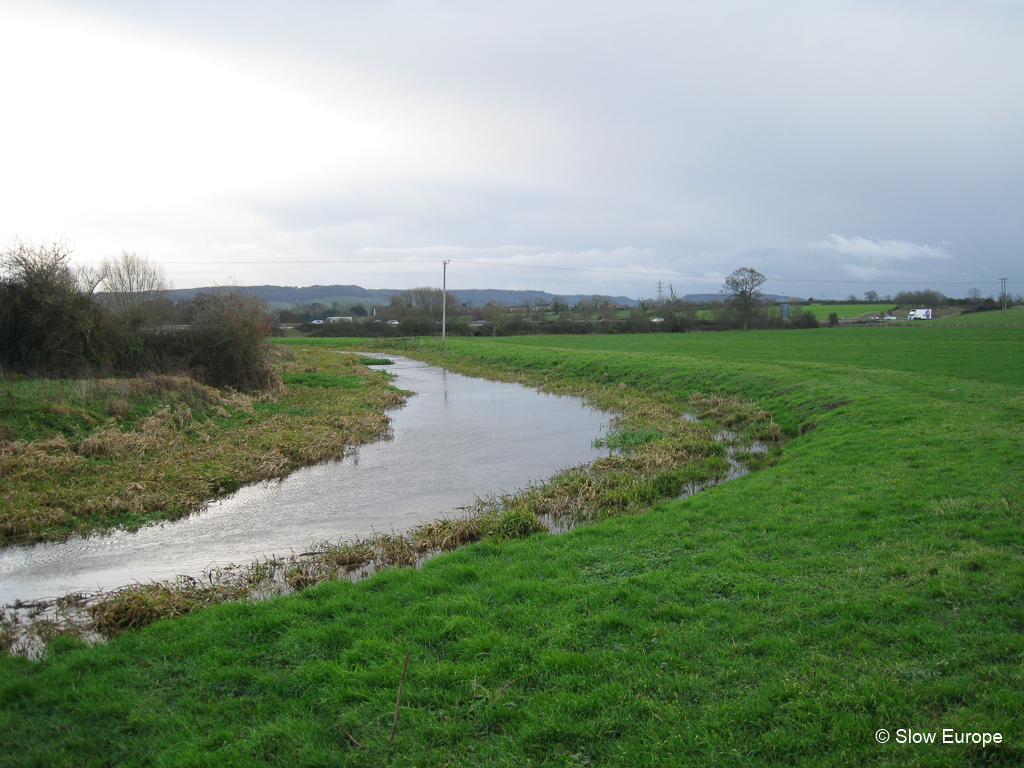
x=583 y=270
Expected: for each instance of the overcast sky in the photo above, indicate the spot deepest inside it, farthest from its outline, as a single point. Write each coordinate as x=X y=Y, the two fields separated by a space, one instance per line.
x=574 y=147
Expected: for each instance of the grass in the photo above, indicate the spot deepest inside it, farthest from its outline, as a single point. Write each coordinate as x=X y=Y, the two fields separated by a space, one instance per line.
x=984 y=355
x=77 y=456
x=871 y=577
x=996 y=317
x=649 y=465
x=822 y=311
x=318 y=379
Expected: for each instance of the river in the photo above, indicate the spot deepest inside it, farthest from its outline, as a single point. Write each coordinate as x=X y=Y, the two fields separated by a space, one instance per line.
x=457 y=438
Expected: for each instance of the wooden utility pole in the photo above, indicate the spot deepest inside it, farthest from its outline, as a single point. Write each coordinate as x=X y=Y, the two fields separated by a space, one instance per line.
x=444 y=302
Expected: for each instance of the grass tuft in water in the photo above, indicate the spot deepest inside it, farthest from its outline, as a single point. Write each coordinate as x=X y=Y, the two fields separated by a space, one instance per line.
x=625 y=438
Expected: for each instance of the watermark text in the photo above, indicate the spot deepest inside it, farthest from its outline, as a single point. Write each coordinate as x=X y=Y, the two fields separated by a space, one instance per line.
x=945 y=736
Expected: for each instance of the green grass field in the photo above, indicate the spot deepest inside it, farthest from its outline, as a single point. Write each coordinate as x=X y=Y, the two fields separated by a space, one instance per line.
x=872 y=578
x=995 y=318
x=822 y=311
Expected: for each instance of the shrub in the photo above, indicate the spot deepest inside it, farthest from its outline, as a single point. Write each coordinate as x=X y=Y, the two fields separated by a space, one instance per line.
x=806 y=320
x=49 y=323
x=227 y=343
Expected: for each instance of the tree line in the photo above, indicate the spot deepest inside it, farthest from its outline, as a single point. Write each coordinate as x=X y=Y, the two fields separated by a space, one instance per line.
x=54 y=322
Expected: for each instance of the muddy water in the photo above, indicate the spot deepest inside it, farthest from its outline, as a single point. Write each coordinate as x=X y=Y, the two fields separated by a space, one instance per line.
x=456 y=439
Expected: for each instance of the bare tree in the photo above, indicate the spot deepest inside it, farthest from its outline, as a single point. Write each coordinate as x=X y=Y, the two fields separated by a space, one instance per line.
x=743 y=289
x=673 y=303
x=133 y=287
x=424 y=302
x=586 y=308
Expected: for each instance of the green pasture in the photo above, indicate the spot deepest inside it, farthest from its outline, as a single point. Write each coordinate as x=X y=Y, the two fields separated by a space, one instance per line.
x=994 y=318
x=980 y=354
x=872 y=577
x=822 y=311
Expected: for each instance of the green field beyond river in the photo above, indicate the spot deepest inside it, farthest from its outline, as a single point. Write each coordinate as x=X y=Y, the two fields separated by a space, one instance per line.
x=858 y=601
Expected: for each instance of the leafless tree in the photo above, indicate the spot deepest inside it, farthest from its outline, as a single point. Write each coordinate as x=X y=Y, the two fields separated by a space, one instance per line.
x=586 y=308
x=424 y=302
x=673 y=303
x=743 y=287
x=133 y=287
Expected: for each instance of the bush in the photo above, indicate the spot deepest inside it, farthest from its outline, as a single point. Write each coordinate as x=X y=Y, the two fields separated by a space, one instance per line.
x=806 y=320
x=227 y=343
x=50 y=324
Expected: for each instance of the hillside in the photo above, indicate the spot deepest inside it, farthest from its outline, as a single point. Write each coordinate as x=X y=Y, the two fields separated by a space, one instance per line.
x=288 y=296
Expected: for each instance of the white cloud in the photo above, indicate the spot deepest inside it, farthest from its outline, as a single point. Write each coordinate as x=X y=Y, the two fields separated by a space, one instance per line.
x=110 y=124
x=879 y=251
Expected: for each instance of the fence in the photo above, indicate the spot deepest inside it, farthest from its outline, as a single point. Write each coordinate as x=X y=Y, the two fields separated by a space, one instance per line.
x=926 y=324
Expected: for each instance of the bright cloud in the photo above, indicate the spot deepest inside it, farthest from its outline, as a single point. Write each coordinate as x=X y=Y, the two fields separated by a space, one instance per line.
x=573 y=147
x=878 y=250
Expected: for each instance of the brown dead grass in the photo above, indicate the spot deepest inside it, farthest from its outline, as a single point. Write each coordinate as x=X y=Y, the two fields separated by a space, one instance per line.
x=178 y=458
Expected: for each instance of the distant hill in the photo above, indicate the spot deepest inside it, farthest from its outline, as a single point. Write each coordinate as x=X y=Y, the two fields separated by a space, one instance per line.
x=481 y=296
x=286 y=296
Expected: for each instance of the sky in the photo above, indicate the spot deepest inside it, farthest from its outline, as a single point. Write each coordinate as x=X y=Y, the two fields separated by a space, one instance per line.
x=573 y=147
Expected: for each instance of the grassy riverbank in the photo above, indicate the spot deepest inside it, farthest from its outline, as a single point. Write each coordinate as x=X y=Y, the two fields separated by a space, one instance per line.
x=870 y=578
x=82 y=455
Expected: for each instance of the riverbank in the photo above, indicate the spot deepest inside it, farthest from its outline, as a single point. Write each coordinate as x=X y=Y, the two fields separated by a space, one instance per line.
x=90 y=455
x=392 y=504
x=868 y=579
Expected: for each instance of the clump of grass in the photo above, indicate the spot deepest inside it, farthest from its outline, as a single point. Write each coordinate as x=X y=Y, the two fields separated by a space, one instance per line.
x=626 y=438
x=318 y=379
x=734 y=413
x=447 y=533
x=377 y=361
x=139 y=605
x=9 y=643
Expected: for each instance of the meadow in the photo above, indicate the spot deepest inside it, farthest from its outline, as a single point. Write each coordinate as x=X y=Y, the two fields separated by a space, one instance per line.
x=994 y=318
x=822 y=311
x=870 y=577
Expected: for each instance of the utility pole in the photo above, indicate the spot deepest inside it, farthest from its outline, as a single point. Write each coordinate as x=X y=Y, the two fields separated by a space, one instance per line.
x=1002 y=283
x=444 y=302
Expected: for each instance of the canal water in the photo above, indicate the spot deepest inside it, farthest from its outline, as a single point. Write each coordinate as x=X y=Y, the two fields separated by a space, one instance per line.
x=456 y=439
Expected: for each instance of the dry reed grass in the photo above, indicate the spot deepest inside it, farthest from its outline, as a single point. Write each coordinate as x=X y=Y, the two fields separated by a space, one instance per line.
x=201 y=443
x=139 y=605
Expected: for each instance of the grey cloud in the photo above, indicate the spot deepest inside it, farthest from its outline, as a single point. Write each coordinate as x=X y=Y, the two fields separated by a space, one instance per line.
x=689 y=138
